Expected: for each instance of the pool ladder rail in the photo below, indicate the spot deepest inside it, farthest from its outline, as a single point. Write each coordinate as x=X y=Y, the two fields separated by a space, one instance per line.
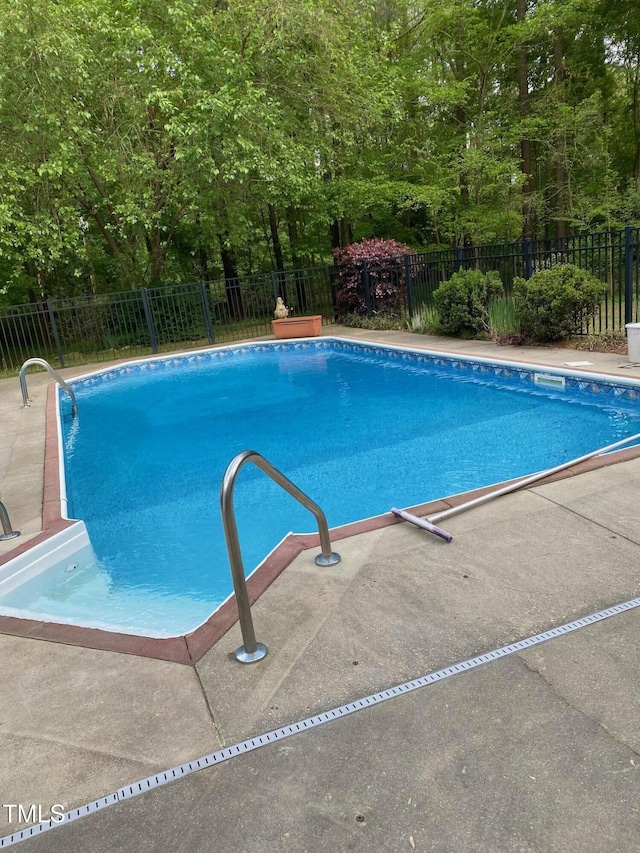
x=56 y=376
x=252 y=651
x=7 y=530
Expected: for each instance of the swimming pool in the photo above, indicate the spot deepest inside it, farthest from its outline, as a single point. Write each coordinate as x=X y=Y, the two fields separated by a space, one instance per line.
x=359 y=428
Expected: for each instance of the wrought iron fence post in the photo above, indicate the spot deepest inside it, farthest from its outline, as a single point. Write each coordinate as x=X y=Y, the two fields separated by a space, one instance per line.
x=407 y=281
x=54 y=329
x=333 y=275
x=206 y=312
x=459 y=258
x=274 y=286
x=366 y=283
x=526 y=257
x=149 y=318
x=628 y=275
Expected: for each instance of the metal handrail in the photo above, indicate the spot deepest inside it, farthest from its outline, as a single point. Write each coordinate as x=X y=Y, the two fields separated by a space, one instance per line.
x=56 y=376
x=252 y=651
x=7 y=530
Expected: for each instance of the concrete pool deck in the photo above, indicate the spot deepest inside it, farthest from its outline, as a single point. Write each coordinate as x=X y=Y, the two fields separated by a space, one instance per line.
x=537 y=751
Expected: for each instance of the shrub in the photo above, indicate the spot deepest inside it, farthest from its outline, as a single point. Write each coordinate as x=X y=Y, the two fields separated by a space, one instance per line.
x=386 y=277
x=463 y=301
x=554 y=303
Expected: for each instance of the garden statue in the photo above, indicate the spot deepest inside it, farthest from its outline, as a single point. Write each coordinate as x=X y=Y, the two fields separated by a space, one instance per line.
x=281 y=309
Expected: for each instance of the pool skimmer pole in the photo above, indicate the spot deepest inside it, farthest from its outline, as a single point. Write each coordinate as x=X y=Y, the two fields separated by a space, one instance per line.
x=422 y=522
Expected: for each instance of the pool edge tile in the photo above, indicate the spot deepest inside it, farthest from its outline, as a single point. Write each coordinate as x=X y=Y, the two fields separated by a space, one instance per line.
x=15 y=627
x=173 y=649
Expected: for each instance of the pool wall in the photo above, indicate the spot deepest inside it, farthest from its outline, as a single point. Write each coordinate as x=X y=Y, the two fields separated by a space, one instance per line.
x=521 y=372
x=57 y=548
x=188 y=649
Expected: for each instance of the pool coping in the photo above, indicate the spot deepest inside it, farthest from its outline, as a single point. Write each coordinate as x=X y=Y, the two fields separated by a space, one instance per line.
x=190 y=647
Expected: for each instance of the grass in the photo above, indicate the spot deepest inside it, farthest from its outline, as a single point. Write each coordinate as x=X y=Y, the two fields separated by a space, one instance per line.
x=377 y=322
x=503 y=318
x=424 y=320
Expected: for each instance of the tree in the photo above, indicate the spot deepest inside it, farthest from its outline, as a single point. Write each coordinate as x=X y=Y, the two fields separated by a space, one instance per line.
x=146 y=142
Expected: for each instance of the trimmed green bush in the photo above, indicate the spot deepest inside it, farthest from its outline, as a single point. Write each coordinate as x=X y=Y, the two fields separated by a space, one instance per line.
x=463 y=301
x=554 y=304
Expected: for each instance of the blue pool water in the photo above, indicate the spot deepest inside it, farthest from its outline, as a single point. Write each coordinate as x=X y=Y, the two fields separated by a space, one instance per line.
x=357 y=428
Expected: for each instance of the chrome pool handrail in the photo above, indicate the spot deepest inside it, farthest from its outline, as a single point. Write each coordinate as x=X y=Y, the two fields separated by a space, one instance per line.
x=56 y=376
x=7 y=530
x=252 y=651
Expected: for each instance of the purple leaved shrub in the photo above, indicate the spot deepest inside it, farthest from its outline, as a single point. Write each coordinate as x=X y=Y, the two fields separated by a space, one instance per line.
x=385 y=264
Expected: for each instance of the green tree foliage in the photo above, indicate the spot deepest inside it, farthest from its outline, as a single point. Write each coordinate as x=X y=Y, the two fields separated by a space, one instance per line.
x=148 y=142
x=135 y=128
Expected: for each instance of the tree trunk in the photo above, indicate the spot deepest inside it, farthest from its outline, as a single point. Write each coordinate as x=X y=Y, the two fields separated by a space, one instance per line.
x=231 y=279
x=292 y=228
x=561 y=142
x=275 y=237
x=635 y=112
x=334 y=231
x=156 y=257
x=202 y=256
x=461 y=129
x=528 y=229
x=294 y=236
x=341 y=233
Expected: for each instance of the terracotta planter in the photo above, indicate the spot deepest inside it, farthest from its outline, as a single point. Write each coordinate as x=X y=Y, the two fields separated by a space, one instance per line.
x=297 y=327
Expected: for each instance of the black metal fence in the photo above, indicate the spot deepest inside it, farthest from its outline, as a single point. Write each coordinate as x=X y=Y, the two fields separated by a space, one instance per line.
x=612 y=256
x=88 y=329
